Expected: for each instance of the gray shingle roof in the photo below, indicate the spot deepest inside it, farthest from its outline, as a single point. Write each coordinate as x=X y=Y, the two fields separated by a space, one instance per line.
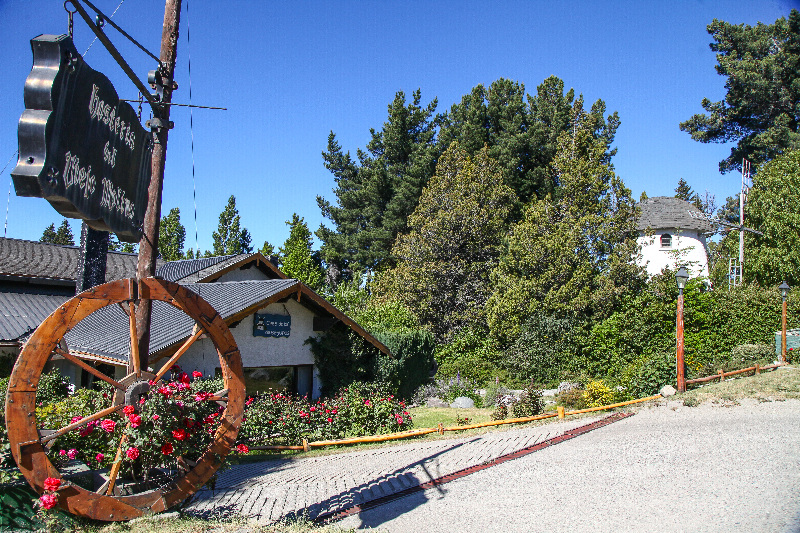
x=20 y=314
x=105 y=332
x=667 y=212
x=33 y=259
x=178 y=270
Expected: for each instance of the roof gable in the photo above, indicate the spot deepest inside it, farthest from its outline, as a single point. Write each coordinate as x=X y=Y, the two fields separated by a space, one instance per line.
x=667 y=212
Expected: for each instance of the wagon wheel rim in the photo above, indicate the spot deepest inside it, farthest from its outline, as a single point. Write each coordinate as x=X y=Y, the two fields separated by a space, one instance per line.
x=28 y=445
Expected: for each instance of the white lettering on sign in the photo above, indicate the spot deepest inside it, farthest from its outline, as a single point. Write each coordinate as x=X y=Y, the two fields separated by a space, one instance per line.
x=76 y=175
x=114 y=199
x=109 y=154
x=100 y=110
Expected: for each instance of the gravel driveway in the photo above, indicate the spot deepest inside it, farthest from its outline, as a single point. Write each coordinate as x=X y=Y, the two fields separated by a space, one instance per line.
x=669 y=468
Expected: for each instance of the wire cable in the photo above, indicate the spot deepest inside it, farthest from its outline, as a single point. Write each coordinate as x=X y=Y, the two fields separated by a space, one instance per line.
x=112 y=14
x=191 y=125
x=8 y=200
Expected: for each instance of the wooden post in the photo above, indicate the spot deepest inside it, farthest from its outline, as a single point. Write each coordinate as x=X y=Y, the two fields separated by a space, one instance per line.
x=679 y=335
x=306 y=447
x=721 y=375
x=441 y=429
x=148 y=246
x=560 y=410
x=783 y=331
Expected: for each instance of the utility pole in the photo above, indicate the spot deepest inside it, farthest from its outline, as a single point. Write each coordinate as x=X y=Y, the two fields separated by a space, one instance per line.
x=160 y=124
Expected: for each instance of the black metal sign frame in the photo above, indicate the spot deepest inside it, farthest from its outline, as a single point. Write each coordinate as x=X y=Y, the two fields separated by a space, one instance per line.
x=80 y=147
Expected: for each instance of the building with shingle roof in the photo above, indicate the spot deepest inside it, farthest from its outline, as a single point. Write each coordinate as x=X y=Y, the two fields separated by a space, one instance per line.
x=669 y=236
x=270 y=316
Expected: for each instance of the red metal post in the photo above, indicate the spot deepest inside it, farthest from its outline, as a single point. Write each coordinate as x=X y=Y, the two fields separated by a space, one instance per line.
x=679 y=334
x=148 y=246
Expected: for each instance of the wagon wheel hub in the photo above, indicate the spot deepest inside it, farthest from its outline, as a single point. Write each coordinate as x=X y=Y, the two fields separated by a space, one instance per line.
x=136 y=393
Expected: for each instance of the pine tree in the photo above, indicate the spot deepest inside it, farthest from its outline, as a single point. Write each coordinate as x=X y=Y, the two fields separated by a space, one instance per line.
x=761 y=64
x=571 y=257
x=49 y=235
x=171 y=236
x=297 y=259
x=230 y=238
x=114 y=245
x=376 y=194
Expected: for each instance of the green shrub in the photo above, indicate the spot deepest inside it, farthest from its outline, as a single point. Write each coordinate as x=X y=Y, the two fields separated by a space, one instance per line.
x=528 y=404
x=500 y=412
x=411 y=362
x=646 y=375
x=52 y=387
x=472 y=355
x=572 y=399
x=494 y=391
x=542 y=351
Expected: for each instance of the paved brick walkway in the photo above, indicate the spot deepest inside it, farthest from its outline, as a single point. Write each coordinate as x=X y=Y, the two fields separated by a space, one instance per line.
x=272 y=490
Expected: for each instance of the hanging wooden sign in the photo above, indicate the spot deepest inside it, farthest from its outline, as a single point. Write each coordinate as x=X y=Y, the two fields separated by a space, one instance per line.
x=80 y=147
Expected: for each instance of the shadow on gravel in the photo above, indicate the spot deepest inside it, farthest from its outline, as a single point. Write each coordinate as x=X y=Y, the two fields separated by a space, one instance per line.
x=401 y=483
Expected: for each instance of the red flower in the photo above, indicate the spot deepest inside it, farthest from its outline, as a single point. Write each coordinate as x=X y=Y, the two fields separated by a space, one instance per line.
x=166 y=391
x=188 y=422
x=202 y=396
x=51 y=484
x=330 y=420
x=197 y=374
x=108 y=425
x=132 y=453
x=179 y=434
x=167 y=449
x=184 y=378
x=129 y=409
x=242 y=448
x=48 y=501
x=99 y=457
x=249 y=401
x=135 y=420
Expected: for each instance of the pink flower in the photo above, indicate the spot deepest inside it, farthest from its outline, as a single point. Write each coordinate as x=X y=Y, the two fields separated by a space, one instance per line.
x=48 y=501
x=72 y=453
x=242 y=448
x=202 y=396
x=167 y=449
x=249 y=401
x=132 y=453
x=62 y=452
x=75 y=419
x=155 y=417
x=86 y=430
x=99 y=457
x=129 y=409
x=51 y=484
x=197 y=374
x=108 y=425
x=142 y=400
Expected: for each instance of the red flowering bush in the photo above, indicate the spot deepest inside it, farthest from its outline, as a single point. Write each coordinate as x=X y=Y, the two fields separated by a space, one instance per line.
x=361 y=409
x=175 y=420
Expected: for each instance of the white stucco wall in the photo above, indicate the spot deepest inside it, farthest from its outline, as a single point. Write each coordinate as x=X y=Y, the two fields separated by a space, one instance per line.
x=248 y=274
x=262 y=351
x=688 y=248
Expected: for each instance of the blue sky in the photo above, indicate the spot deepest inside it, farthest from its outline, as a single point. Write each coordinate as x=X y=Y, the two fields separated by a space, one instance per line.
x=290 y=72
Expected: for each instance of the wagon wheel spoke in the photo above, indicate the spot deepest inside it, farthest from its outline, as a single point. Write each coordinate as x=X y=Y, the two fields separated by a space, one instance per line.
x=66 y=429
x=221 y=397
x=108 y=486
x=89 y=368
x=135 y=361
x=198 y=331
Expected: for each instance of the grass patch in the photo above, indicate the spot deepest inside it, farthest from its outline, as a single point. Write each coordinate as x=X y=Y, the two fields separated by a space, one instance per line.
x=780 y=384
x=431 y=417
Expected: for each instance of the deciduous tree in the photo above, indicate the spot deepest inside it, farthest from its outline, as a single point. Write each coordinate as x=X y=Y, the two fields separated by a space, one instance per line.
x=454 y=241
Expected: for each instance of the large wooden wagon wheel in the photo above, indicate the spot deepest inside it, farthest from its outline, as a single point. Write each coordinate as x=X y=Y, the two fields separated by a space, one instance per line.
x=29 y=443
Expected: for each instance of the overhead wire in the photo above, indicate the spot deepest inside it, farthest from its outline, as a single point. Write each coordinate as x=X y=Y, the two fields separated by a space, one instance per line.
x=191 y=125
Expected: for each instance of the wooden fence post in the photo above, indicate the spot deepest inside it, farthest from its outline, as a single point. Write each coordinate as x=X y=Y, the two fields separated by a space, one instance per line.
x=758 y=369
x=441 y=429
x=721 y=375
x=560 y=410
x=306 y=447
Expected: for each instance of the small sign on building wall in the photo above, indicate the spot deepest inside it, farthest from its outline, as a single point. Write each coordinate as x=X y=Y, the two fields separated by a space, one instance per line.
x=271 y=325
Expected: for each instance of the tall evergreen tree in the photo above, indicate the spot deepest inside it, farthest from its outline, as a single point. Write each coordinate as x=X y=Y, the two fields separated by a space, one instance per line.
x=298 y=261
x=572 y=254
x=171 y=236
x=759 y=112
x=49 y=234
x=115 y=245
x=231 y=238
x=64 y=234
x=375 y=194
x=454 y=240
